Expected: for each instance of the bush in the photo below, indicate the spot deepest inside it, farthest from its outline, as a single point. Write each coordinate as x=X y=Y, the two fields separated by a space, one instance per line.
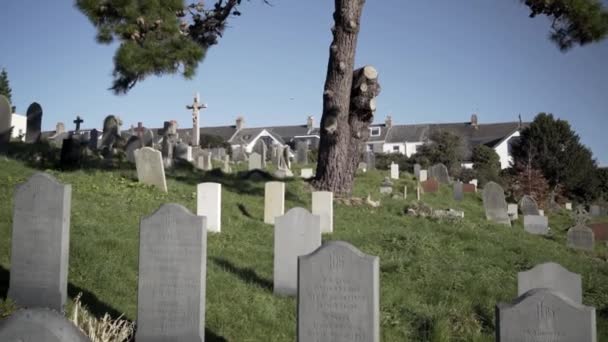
x=384 y=160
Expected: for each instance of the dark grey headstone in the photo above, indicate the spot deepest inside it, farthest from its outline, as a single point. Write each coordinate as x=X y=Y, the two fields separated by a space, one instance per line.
x=536 y=224
x=370 y=160
x=34 y=122
x=458 y=191
x=93 y=139
x=580 y=237
x=302 y=152
x=552 y=276
x=338 y=295
x=440 y=173
x=181 y=151
x=494 y=204
x=6 y=117
x=172 y=269
x=39 y=325
x=111 y=134
x=71 y=153
x=296 y=233
x=528 y=206
x=545 y=315
x=40 y=243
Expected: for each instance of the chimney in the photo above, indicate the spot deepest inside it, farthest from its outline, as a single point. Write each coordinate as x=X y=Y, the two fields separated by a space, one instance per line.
x=474 y=121
x=310 y=122
x=240 y=122
x=388 y=122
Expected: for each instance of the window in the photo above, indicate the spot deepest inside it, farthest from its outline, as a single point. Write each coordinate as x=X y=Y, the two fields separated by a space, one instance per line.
x=370 y=147
x=374 y=131
x=396 y=148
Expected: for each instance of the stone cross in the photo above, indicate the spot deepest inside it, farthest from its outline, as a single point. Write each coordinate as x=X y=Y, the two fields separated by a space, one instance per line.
x=140 y=133
x=195 y=107
x=78 y=121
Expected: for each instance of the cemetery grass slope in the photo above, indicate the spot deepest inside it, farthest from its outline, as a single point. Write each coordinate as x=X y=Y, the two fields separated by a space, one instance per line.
x=440 y=280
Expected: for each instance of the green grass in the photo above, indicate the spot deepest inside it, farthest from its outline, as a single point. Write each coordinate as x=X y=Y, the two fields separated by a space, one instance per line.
x=440 y=280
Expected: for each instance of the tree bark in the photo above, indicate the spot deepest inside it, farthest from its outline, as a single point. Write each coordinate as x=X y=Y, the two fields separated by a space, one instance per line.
x=348 y=104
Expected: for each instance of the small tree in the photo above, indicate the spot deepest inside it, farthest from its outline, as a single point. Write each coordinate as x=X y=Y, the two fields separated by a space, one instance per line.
x=486 y=164
x=444 y=147
x=5 y=88
x=526 y=180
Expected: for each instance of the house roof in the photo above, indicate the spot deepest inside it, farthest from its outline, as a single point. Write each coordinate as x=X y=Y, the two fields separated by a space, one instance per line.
x=378 y=138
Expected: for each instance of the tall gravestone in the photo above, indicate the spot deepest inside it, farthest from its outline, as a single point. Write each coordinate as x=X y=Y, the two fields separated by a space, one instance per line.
x=458 y=191
x=40 y=243
x=494 y=204
x=552 y=276
x=34 y=122
x=149 y=165
x=423 y=175
x=274 y=201
x=6 y=117
x=394 y=171
x=94 y=140
x=370 y=160
x=528 y=206
x=323 y=205
x=39 y=325
x=302 y=152
x=110 y=135
x=172 y=269
x=338 y=295
x=536 y=224
x=296 y=233
x=209 y=204
x=440 y=172
x=545 y=315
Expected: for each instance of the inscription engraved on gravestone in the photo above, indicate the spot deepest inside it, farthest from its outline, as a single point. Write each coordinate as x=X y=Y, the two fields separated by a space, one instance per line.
x=40 y=243
x=172 y=268
x=338 y=295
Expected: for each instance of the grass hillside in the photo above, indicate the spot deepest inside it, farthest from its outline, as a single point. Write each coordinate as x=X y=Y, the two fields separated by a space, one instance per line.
x=440 y=280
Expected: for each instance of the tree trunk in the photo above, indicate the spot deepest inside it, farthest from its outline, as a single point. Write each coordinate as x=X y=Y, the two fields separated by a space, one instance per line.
x=348 y=104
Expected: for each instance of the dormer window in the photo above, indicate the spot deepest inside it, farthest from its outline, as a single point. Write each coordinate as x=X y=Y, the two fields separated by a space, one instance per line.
x=374 y=131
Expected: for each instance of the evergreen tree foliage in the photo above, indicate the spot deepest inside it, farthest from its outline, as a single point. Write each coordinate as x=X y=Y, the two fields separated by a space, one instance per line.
x=5 y=88
x=486 y=164
x=602 y=181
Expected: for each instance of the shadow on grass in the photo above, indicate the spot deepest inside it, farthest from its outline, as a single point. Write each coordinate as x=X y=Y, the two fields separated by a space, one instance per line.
x=244 y=210
x=246 y=274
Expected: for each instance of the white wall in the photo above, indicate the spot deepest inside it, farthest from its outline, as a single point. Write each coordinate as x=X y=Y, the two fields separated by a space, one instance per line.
x=411 y=148
x=390 y=148
x=19 y=123
x=503 y=151
x=264 y=133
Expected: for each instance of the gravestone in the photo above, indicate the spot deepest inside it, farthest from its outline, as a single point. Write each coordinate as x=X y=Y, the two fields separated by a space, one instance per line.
x=255 y=161
x=296 y=233
x=494 y=204
x=302 y=152
x=204 y=162
x=362 y=166
x=34 y=122
x=458 y=192
x=39 y=325
x=71 y=152
x=552 y=276
x=440 y=173
x=172 y=270
x=536 y=224
x=580 y=237
x=528 y=206
x=132 y=144
x=594 y=210
x=600 y=231
x=226 y=165
x=568 y=206
x=110 y=135
x=469 y=188
x=545 y=315
x=430 y=186
x=149 y=165
x=169 y=136
x=338 y=295
x=512 y=211
x=182 y=151
x=94 y=140
x=394 y=171
x=306 y=173
x=40 y=243
x=417 y=169
x=323 y=205
x=274 y=201
x=423 y=175
x=261 y=148
x=418 y=193
x=209 y=204
x=405 y=192
x=370 y=160
x=6 y=117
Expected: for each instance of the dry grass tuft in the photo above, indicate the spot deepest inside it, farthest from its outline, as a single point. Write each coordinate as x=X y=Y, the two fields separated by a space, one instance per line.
x=105 y=329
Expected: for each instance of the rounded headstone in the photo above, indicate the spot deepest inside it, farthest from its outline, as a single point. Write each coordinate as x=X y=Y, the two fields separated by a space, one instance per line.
x=38 y=325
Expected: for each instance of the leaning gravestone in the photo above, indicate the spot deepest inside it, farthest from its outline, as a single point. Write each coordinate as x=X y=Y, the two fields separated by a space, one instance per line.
x=39 y=325
x=552 y=276
x=255 y=161
x=296 y=233
x=209 y=204
x=458 y=192
x=323 y=205
x=6 y=118
x=40 y=243
x=274 y=201
x=338 y=295
x=172 y=269
x=528 y=206
x=34 y=122
x=545 y=315
x=440 y=173
x=149 y=165
x=536 y=224
x=494 y=204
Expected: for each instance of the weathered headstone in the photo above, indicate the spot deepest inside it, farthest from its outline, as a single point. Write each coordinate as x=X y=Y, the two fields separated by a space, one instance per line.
x=255 y=161
x=580 y=237
x=306 y=173
x=274 y=201
x=183 y=151
x=405 y=192
x=417 y=169
x=338 y=295
x=296 y=233
x=34 y=122
x=172 y=270
x=458 y=191
x=545 y=315
x=39 y=325
x=552 y=276
x=536 y=224
x=494 y=204
x=430 y=186
x=370 y=160
x=40 y=243
x=261 y=148
x=323 y=205
x=440 y=172
x=94 y=140
x=423 y=175
x=110 y=135
x=528 y=205
x=209 y=204
x=6 y=117
x=302 y=152
x=149 y=165
x=394 y=171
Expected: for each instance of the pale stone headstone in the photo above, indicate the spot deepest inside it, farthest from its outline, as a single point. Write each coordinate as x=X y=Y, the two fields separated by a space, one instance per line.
x=39 y=325
x=338 y=295
x=580 y=237
x=394 y=171
x=40 y=243
x=528 y=205
x=423 y=176
x=370 y=160
x=440 y=173
x=209 y=204
x=34 y=122
x=536 y=224
x=512 y=211
x=306 y=173
x=274 y=201
x=405 y=192
x=458 y=192
x=6 y=117
x=203 y=162
x=172 y=270
x=541 y=212
x=494 y=204
x=552 y=276
x=417 y=169
x=302 y=152
x=183 y=151
x=323 y=205
x=418 y=192
x=255 y=161
x=149 y=165
x=362 y=166
x=296 y=233
x=545 y=315
x=568 y=206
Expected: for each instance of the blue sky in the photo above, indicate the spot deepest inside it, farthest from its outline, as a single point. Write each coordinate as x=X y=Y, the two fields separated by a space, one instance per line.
x=438 y=60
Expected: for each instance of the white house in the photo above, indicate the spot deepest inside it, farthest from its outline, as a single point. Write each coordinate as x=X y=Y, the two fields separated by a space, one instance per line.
x=19 y=123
